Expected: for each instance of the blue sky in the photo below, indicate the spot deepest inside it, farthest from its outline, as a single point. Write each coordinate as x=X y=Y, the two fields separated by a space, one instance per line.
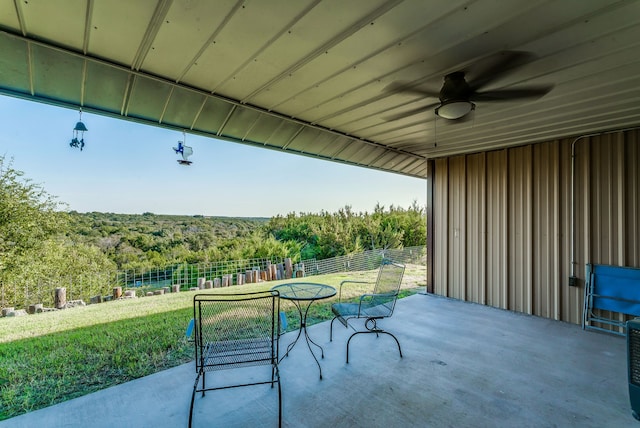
x=127 y=167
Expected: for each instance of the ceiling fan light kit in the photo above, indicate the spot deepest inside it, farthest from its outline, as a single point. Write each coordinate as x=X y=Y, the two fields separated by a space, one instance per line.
x=455 y=109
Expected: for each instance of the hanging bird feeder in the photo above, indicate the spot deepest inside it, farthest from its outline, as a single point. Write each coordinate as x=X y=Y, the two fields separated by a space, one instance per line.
x=183 y=150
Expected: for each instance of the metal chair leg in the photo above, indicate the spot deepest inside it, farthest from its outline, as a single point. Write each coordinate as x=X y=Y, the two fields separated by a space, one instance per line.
x=279 y=401
x=376 y=332
x=396 y=339
x=331 y=329
x=193 y=396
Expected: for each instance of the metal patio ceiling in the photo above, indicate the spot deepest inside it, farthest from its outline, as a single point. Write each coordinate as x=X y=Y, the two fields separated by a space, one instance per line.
x=309 y=76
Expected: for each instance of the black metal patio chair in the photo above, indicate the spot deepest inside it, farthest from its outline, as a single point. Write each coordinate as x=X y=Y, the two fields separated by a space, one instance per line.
x=236 y=331
x=371 y=307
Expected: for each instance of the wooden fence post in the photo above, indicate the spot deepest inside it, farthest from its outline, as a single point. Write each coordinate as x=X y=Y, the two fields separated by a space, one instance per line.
x=60 y=298
x=35 y=308
x=288 y=268
x=268 y=270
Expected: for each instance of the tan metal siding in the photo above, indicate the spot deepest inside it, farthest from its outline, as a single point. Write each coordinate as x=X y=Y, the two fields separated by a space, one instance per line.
x=457 y=227
x=633 y=199
x=441 y=226
x=503 y=229
x=582 y=200
x=519 y=171
x=570 y=297
x=607 y=198
x=604 y=168
x=476 y=228
x=497 y=291
x=546 y=242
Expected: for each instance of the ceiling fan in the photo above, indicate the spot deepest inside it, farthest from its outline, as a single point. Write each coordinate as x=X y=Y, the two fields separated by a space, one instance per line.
x=458 y=96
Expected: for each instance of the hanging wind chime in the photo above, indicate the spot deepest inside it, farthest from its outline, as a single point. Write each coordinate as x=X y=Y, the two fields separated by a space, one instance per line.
x=78 y=134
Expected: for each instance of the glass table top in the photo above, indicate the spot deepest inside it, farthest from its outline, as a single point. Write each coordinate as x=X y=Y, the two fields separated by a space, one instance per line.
x=305 y=291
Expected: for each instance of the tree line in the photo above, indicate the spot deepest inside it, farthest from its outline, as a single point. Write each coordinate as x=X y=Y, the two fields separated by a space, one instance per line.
x=40 y=240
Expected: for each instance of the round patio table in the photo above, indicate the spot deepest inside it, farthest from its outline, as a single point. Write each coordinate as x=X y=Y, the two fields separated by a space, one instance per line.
x=303 y=294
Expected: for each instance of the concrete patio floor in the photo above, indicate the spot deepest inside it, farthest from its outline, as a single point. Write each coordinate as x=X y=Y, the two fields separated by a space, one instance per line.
x=464 y=365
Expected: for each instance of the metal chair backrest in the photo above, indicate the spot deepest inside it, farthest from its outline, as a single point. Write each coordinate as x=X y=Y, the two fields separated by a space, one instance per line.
x=387 y=288
x=236 y=330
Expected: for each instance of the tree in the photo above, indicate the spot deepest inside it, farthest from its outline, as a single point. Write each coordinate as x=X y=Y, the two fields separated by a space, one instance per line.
x=28 y=216
x=345 y=232
x=84 y=270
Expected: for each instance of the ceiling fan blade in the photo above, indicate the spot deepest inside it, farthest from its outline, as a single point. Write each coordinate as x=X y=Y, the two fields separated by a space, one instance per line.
x=498 y=65
x=405 y=87
x=410 y=112
x=510 y=94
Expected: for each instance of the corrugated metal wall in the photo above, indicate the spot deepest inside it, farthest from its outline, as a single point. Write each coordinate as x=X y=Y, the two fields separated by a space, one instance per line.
x=503 y=221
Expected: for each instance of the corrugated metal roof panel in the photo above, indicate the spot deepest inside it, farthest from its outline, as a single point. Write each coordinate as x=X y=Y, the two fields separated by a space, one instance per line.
x=106 y=87
x=147 y=99
x=182 y=107
x=57 y=76
x=237 y=124
x=212 y=115
x=14 y=62
x=270 y=69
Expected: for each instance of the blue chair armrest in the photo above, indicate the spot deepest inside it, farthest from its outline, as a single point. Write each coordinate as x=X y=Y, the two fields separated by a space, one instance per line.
x=283 y=322
x=189 y=332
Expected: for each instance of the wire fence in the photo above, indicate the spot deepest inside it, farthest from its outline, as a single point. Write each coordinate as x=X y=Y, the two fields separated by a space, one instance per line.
x=92 y=284
x=186 y=275
x=21 y=294
x=367 y=260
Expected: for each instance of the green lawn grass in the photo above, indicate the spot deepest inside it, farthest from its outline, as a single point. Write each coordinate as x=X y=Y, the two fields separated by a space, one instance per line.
x=55 y=356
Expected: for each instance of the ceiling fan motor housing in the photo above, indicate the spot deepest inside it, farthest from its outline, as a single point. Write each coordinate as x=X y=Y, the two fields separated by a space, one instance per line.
x=455 y=88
